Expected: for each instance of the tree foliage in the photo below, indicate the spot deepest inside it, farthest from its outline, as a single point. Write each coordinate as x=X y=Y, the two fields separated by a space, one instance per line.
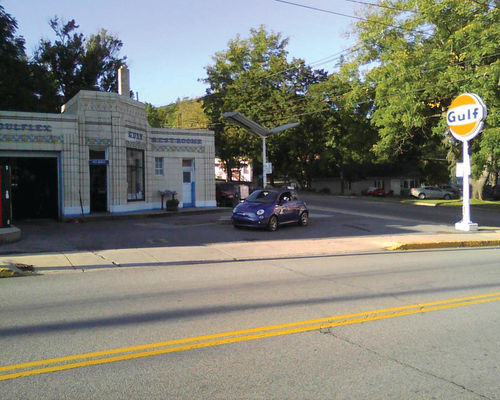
x=254 y=76
x=75 y=62
x=419 y=55
x=24 y=85
x=183 y=114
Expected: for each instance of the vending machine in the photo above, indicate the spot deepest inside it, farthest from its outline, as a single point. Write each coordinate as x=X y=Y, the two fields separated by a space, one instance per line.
x=5 y=197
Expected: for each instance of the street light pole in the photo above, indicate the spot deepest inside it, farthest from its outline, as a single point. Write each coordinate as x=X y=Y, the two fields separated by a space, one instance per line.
x=254 y=127
x=264 y=170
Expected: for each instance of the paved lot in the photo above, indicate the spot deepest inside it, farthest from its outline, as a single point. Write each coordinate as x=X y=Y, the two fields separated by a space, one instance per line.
x=337 y=225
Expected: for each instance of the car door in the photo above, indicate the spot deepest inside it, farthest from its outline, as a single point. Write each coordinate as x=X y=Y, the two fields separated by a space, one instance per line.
x=295 y=205
x=430 y=192
x=286 y=210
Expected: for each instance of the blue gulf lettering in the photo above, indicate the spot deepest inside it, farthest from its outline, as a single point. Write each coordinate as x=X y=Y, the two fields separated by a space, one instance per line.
x=451 y=116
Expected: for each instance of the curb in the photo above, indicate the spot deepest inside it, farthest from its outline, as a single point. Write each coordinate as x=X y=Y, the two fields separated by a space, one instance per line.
x=442 y=245
x=144 y=214
x=421 y=203
x=12 y=270
x=10 y=235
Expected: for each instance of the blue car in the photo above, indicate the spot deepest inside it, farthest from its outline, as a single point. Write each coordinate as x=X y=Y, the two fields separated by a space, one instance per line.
x=270 y=208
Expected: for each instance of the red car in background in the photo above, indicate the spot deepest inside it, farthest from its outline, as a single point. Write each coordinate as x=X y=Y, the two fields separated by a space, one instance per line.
x=374 y=191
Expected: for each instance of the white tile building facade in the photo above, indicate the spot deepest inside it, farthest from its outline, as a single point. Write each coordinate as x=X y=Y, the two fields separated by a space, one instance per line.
x=109 y=159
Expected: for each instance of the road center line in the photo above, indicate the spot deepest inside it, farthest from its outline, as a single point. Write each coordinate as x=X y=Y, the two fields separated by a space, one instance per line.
x=134 y=352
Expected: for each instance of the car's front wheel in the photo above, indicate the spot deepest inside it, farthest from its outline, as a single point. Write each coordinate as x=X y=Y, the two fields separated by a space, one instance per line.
x=304 y=219
x=421 y=196
x=272 y=225
x=447 y=197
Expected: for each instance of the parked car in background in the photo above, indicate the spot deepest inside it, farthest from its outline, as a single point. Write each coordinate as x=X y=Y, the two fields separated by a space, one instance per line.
x=455 y=189
x=269 y=209
x=228 y=194
x=374 y=191
x=431 y=192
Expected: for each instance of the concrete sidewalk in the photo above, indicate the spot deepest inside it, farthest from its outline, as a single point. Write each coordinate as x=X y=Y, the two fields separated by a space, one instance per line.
x=169 y=256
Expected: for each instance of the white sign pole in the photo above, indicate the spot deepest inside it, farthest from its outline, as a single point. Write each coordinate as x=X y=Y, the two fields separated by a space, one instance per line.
x=466 y=224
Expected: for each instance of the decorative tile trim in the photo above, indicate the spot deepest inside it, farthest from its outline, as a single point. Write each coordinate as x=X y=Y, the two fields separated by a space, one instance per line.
x=176 y=140
x=36 y=118
x=99 y=106
x=190 y=149
x=31 y=138
x=135 y=145
x=98 y=141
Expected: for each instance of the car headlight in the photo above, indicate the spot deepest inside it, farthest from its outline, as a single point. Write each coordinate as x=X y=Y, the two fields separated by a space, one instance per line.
x=260 y=212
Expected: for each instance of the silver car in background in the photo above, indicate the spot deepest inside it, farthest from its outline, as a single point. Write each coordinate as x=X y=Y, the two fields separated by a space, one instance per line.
x=431 y=192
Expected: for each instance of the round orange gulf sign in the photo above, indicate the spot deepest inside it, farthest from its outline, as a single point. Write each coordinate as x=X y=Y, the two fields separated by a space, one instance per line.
x=466 y=115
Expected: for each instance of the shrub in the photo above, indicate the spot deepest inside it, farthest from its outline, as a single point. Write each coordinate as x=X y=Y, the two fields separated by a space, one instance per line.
x=172 y=205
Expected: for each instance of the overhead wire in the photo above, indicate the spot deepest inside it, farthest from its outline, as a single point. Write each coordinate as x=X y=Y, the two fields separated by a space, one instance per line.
x=350 y=16
x=401 y=75
x=340 y=55
x=381 y=6
x=341 y=96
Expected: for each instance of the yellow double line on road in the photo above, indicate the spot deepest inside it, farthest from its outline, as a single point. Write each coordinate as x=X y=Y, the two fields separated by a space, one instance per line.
x=172 y=346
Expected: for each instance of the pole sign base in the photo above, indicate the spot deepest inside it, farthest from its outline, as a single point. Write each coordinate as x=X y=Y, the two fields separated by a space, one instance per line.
x=466 y=226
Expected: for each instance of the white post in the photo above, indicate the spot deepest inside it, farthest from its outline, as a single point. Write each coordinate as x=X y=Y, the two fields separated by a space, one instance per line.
x=466 y=224
x=264 y=177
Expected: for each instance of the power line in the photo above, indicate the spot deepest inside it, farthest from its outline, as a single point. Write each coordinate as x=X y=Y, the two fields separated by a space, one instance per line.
x=381 y=6
x=339 y=97
x=350 y=16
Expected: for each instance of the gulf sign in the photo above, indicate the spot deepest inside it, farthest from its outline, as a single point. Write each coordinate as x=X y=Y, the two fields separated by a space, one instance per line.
x=466 y=116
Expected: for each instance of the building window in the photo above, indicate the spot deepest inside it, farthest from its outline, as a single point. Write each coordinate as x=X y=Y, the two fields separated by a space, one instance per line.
x=409 y=183
x=135 y=175
x=379 y=184
x=158 y=165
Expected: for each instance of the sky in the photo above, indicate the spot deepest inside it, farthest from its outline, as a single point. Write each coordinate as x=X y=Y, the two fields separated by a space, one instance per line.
x=168 y=43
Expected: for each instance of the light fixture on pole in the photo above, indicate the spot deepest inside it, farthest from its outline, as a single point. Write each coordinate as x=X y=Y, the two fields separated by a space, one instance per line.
x=263 y=132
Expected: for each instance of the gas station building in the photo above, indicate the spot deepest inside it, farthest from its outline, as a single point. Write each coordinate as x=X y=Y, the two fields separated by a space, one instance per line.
x=100 y=155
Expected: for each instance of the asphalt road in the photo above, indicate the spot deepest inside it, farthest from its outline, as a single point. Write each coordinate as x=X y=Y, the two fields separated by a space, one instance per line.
x=251 y=338
x=331 y=217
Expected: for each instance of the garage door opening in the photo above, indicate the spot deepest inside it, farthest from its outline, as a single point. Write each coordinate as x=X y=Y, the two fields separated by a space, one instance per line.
x=34 y=187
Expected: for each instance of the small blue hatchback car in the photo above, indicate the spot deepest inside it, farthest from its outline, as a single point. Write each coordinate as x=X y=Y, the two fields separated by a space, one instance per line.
x=270 y=208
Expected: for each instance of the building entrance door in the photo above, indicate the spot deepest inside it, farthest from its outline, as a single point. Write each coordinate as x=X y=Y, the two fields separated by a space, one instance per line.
x=188 y=183
x=98 y=186
x=98 y=181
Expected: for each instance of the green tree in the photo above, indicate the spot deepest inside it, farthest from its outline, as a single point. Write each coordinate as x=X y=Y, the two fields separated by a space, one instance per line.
x=350 y=135
x=24 y=86
x=419 y=55
x=155 y=118
x=183 y=114
x=253 y=76
x=76 y=62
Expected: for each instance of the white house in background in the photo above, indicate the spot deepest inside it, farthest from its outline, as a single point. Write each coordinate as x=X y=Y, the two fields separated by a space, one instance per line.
x=243 y=173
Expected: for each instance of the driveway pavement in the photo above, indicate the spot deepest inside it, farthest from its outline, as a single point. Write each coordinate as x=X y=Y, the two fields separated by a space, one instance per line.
x=78 y=246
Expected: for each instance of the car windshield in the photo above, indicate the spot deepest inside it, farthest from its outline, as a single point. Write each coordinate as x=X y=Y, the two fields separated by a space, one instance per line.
x=262 y=196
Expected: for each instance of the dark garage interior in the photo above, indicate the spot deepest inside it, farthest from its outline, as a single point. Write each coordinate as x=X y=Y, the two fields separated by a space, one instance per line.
x=34 y=187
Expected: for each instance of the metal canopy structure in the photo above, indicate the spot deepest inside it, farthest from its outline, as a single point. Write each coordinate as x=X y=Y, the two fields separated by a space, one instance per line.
x=239 y=119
